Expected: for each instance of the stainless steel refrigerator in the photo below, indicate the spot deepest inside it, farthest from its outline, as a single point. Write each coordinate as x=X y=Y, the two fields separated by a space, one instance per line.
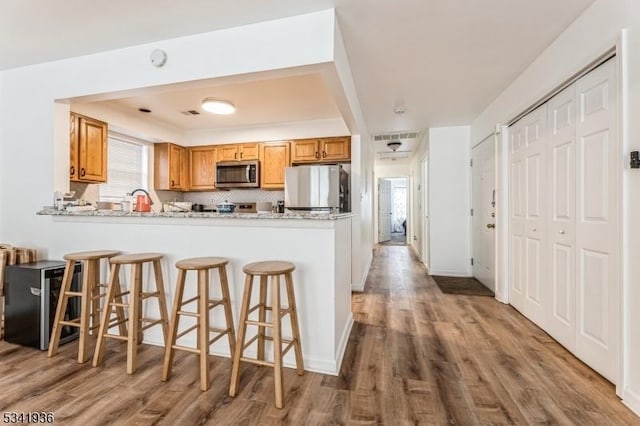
x=317 y=188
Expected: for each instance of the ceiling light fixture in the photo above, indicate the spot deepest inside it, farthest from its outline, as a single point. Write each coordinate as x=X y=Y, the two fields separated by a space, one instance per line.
x=394 y=145
x=218 y=106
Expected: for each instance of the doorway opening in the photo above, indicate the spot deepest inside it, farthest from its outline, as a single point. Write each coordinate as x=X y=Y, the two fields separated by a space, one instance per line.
x=392 y=211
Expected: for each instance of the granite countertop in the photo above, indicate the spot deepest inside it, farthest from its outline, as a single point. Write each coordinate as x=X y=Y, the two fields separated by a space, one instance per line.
x=198 y=215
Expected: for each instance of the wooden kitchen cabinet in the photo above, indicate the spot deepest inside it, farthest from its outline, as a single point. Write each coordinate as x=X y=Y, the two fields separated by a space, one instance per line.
x=238 y=152
x=88 y=138
x=170 y=167
x=202 y=168
x=274 y=158
x=321 y=150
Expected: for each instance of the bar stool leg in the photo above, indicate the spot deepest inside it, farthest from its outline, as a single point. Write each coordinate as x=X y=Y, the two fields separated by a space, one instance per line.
x=61 y=308
x=134 y=318
x=242 y=331
x=94 y=294
x=114 y=283
x=224 y=284
x=203 y=327
x=85 y=308
x=277 y=343
x=162 y=301
x=173 y=328
x=294 y=324
x=262 y=316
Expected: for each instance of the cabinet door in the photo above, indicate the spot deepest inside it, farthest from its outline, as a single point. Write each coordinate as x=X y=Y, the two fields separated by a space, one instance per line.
x=274 y=157
x=92 y=150
x=248 y=151
x=73 y=139
x=202 y=168
x=227 y=152
x=335 y=149
x=177 y=167
x=305 y=150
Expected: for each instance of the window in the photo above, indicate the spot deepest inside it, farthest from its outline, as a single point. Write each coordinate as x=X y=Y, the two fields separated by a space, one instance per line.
x=127 y=168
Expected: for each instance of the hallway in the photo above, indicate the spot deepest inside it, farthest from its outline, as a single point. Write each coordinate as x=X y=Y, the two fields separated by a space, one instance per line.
x=419 y=356
x=415 y=356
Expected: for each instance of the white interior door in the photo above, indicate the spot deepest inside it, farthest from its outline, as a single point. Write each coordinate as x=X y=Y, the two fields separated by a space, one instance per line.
x=384 y=210
x=528 y=215
x=597 y=221
x=425 y=212
x=561 y=247
x=483 y=200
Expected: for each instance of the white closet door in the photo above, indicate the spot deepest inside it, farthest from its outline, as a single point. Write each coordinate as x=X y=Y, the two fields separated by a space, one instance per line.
x=535 y=231
x=561 y=121
x=527 y=225
x=516 y=217
x=597 y=221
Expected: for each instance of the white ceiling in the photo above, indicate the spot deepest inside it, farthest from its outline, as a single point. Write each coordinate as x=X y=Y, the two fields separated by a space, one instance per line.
x=444 y=60
x=257 y=102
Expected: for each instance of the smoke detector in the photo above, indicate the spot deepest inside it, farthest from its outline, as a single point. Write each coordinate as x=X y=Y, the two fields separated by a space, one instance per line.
x=394 y=145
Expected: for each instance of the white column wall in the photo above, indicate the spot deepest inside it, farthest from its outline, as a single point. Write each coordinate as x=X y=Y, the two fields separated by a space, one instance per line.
x=449 y=201
x=596 y=30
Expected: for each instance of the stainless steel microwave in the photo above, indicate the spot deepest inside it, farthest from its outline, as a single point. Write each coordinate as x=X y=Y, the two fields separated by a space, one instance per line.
x=238 y=174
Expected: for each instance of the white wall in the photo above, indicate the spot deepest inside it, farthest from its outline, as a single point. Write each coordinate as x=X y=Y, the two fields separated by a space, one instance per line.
x=595 y=31
x=416 y=190
x=271 y=132
x=449 y=201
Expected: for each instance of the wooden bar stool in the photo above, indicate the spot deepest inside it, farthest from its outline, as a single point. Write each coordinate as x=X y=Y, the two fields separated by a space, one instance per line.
x=89 y=295
x=264 y=270
x=203 y=265
x=136 y=323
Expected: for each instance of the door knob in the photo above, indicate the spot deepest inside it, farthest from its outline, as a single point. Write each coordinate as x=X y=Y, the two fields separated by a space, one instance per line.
x=561 y=232
x=533 y=229
x=491 y=225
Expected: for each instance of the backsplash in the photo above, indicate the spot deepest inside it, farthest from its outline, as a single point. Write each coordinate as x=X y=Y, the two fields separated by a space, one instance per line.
x=233 y=196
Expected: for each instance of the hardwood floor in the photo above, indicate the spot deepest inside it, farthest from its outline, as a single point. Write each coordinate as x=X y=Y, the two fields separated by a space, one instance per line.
x=415 y=356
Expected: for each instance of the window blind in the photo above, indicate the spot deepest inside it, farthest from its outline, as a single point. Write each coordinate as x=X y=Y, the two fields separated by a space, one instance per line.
x=126 y=169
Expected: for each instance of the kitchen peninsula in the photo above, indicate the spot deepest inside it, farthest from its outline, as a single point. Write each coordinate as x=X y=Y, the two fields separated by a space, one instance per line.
x=318 y=244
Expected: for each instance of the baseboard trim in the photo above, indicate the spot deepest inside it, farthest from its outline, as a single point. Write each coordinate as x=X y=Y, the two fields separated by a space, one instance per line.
x=450 y=274
x=344 y=339
x=359 y=288
x=631 y=400
x=313 y=364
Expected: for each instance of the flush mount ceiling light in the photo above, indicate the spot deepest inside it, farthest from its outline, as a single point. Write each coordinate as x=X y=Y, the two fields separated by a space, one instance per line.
x=394 y=145
x=218 y=106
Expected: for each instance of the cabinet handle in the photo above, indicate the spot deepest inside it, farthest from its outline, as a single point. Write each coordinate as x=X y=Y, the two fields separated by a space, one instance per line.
x=241 y=155
x=317 y=156
x=324 y=154
x=235 y=156
x=491 y=225
x=72 y=171
x=173 y=183
x=82 y=172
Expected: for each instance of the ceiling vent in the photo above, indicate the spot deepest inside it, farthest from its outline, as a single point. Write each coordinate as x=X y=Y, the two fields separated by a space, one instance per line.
x=190 y=112
x=395 y=136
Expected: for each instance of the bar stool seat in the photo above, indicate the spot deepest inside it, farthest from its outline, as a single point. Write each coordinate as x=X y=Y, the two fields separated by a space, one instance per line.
x=273 y=269
x=268 y=267
x=89 y=295
x=203 y=265
x=135 y=321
